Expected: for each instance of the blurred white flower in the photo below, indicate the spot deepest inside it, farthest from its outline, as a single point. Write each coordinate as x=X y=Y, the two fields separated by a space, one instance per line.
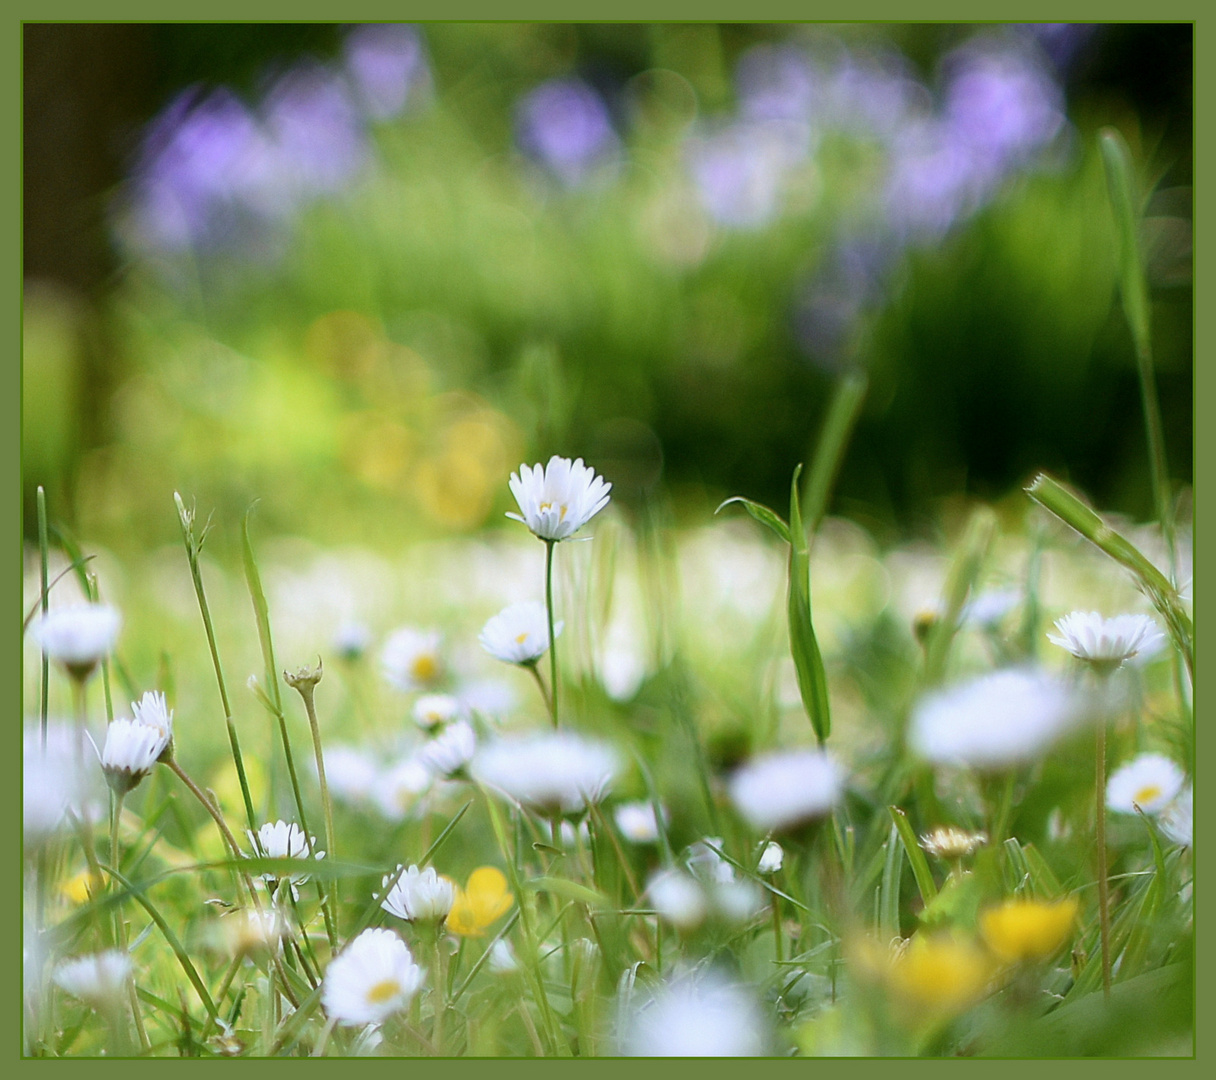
x=1106 y=643
x=783 y=790
x=351 y=774
x=398 y=790
x=351 y=639
x=738 y=901
x=411 y=659
x=519 y=634
x=704 y=861
x=772 y=858
x=372 y=978
x=678 y=898
x=558 y=499
x=130 y=751
x=434 y=710
x=283 y=840
x=950 y=842
x=1150 y=782
x=697 y=1015
x=249 y=931
x=559 y=771
x=991 y=606
x=419 y=895
x=51 y=781
x=99 y=979
x=1177 y=819
x=491 y=698
x=502 y=957
x=996 y=720
x=79 y=636
x=637 y=823
x=451 y=750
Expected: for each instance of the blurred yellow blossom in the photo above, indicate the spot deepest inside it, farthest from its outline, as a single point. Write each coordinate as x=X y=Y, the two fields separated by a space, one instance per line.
x=480 y=902
x=1028 y=929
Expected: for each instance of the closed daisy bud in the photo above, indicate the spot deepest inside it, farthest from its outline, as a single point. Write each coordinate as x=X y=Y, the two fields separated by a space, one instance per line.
x=79 y=637
x=153 y=711
x=557 y=500
x=283 y=840
x=502 y=957
x=419 y=896
x=411 y=659
x=772 y=858
x=131 y=750
x=372 y=978
x=519 y=634
x=1021 y=930
x=99 y=979
x=1150 y=782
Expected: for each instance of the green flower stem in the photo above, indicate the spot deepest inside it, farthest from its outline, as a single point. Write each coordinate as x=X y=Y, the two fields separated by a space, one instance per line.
x=838 y=425
x=603 y=827
x=1100 y=830
x=549 y=545
x=43 y=555
x=540 y=683
x=193 y=546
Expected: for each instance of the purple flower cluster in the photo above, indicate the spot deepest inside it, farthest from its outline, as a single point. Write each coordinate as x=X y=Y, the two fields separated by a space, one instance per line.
x=564 y=125
x=214 y=173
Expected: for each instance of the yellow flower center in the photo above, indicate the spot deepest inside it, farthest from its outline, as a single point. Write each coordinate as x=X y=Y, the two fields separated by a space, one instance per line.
x=1147 y=794
x=425 y=667
x=549 y=506
x=383 y=991
x=521 y=638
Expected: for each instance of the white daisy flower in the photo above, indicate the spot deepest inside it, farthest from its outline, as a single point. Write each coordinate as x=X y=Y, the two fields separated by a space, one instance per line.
x=419 y=895
x=451 y=750
x=697 y=1015
x=130 y=751
x=996 y=720
x=411 y=659
x=152 y=710
x=398 y=790
x=502 y=957
x=559 y=771
x=559 y=499
x=1177 y=819
x=350 y=773
x=51 y=781
x=519 y=634
x=636 y=822
x=372 y=978
x=772 y=858
x=950 y=842
x=783 y=790
x=284 y=840
x=434 y=710
x=99 y=979
x=1150 y=782
x=1106 y=643
x=678 y=898
x=79 y=636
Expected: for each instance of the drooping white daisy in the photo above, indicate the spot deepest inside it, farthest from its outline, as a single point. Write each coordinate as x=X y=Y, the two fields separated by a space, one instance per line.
x=1001 y=719
x=557 y=500
x=1106 y=643
x=696 y=1015
x=1177 y=820
x=560 y=771
x=284 y=840
x=772 y=858
x=432 y=711
x=411 y=659
x=130 y=751
x=1150 y=782
x=79 y=636
x=636 y=822
x=419 y=895
x=678 y=898
x=398 y=790
x=519 y=634
x=99 y=979
x=451 y=750
x=784 y=790
x=372 y=978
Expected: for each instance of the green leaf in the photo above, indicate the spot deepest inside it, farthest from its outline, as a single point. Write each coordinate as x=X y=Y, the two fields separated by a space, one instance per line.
x=808 y=662
x=570 y=890
x=888 y=905
x=961 y=581
x=762 y=514
x=1121 y=184
x=261 y=612
x=916 y=857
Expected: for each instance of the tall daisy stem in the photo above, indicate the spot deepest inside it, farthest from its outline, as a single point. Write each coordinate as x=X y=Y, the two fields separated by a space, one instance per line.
x=549 y=545
x=1103 y=884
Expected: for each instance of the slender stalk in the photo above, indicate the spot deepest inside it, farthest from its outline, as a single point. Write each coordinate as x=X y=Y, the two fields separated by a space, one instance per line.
x=210 y=807
x=549 y=545
x=1103 y=882
x=775 y=904
x=43 y=553
x=540 y=683
x=193 y=547
x=829 y=450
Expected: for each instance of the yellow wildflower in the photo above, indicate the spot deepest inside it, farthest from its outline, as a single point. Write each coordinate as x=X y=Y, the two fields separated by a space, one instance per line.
x=480 y=902
x=1028 y=929
x=939 y=975
x=80 y=887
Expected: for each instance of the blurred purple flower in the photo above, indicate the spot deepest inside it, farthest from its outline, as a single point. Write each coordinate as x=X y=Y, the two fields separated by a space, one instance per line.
x=932 y=181
x=317 y=134
x=739 y=171
x=387 y=65
x=565 y=125
x=775 y=82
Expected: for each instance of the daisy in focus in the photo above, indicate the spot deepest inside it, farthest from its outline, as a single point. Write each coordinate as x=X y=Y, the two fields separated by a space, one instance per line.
x=558 y=499
x=419 y=895
x=372 y=978
x=519 y=634
x=1106 y=644
x=130 y=751
x=283 y=840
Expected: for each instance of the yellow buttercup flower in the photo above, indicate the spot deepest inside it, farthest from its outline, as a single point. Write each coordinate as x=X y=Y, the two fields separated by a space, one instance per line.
x=1028 y=929
x=80 y=887
x=480 y=902
x=940 y=975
